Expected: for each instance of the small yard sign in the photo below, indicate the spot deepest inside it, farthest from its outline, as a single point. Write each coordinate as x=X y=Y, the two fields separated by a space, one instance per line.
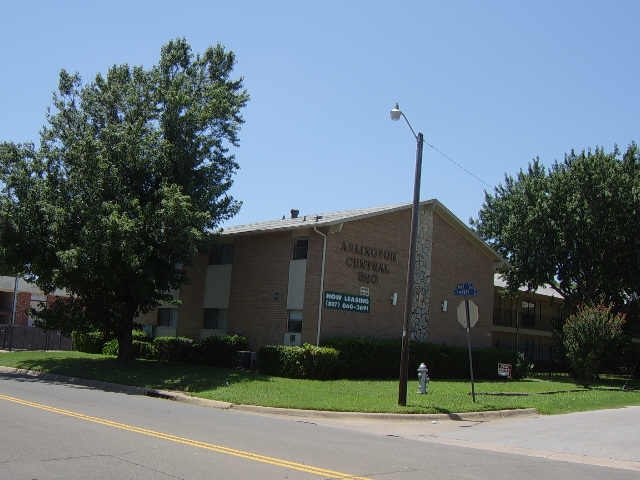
x=504 y=370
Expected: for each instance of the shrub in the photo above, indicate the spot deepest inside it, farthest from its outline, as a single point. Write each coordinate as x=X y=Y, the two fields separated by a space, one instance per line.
x=219 y=351
x=88 y=342
x=111 y=347
x=380 y=358
x=141 y=349
x=144 y=349
x=270 y=359
x=307 y=361
x=634 y=361
x=141 y=336
x=521 y=367
x=446 y=361
x=320 y=362
x=588 y=335
x=366 y=357
x=173 y=349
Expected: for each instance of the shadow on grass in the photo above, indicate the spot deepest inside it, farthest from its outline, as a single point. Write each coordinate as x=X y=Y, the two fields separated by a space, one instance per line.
x=138 y=373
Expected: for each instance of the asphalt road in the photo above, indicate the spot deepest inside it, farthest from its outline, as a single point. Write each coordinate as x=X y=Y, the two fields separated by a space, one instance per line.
x=53 y=430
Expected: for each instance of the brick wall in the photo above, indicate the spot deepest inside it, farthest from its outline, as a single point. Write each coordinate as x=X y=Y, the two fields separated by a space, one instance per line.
x=259 y=280
x=23 y=304
x=456 y=258
x=388 y=232
x=190 y=312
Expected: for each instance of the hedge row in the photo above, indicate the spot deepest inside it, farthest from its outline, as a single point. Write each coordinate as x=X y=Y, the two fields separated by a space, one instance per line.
x=213 y=351
x=307 y=361
x=358 y=358
x=88 y=342
x=379 y=358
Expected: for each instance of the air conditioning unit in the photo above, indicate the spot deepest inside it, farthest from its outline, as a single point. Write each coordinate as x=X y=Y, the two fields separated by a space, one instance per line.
x=292 y=339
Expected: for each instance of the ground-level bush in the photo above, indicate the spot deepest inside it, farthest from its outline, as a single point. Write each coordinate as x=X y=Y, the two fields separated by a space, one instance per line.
x=213 y=351
x=588 y=335
x=380 y=358
x=140 y=336
x=111 y=347
x=307 y=361
x=173 y=349
x=141 y=349
x=144 y=350
x=366 y=357
x=88 y=342
x=219 y=351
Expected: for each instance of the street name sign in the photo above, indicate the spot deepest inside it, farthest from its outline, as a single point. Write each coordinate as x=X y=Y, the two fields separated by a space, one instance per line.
x=465 y=289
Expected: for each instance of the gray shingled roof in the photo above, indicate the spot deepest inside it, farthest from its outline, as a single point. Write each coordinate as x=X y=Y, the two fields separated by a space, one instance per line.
x=335 y=218
x=7 y=283
x=544 y=290
x=316 y=220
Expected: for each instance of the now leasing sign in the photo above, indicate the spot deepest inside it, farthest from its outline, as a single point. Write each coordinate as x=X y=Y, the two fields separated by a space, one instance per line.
x=346 y=302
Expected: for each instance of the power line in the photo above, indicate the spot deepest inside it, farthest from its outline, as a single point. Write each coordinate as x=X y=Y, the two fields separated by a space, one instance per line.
x=457 y=164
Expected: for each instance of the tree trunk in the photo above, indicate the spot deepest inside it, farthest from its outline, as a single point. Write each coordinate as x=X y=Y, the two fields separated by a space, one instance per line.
x=125 y=340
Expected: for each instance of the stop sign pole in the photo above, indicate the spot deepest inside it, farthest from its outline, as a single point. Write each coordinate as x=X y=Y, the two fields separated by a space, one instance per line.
x=466 y=290
x=473 y=390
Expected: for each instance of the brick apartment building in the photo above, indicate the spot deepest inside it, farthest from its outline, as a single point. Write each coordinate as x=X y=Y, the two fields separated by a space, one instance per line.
x=311 y=277
x=525 y=320
x=28 y=296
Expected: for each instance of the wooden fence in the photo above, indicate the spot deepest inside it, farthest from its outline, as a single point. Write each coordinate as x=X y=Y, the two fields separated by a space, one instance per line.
x=20 y=337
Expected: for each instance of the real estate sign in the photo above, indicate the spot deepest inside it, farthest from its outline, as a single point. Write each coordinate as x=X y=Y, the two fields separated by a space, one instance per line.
x=346 y=302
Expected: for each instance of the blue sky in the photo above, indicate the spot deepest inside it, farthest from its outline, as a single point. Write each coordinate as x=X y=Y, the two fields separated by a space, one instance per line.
x=491 y=84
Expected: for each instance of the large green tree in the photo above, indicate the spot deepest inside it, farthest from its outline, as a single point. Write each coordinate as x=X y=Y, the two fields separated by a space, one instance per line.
x=575 y=226
x=131 y=174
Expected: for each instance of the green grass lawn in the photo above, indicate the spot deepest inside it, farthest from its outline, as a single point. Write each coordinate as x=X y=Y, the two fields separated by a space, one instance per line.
x=547 y=395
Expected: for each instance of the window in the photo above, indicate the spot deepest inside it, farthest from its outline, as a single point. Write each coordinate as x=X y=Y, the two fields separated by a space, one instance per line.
x=557 y=320
x=294 y=323
x=503 y=311
x=168 y=317
x=215 y=319
x=300 y=249
x=528 y=318
x=221 y=254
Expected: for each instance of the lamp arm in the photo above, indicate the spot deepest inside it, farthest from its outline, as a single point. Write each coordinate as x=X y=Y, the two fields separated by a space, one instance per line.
x=415 y=135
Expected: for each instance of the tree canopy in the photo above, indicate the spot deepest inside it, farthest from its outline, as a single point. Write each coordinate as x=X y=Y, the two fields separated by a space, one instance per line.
x=132 y=172
x=574 y=226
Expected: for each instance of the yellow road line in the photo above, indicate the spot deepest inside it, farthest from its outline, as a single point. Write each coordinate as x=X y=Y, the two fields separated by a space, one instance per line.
x=186 y=441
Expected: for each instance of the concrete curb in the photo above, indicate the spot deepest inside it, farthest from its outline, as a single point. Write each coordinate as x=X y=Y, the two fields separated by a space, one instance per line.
x=203 y=402
x=488 y=415
x=111 y=387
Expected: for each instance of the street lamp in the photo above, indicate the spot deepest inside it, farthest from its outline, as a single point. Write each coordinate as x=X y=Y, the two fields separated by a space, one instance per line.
x=396 y=113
